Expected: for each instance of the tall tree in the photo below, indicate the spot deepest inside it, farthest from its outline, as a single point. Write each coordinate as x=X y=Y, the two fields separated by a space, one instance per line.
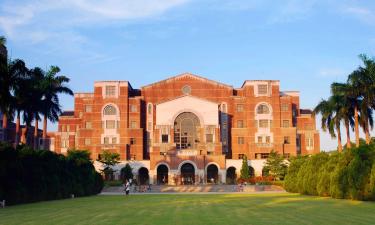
x=109 y=159
x=276 y=166
x=52 y=85
x=245 y=174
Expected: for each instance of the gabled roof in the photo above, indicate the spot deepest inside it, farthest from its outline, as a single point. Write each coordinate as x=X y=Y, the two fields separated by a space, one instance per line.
x=190 y=75
x=187 y=96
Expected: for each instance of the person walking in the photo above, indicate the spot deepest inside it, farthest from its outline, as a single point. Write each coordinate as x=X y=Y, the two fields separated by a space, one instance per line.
x=127 y=188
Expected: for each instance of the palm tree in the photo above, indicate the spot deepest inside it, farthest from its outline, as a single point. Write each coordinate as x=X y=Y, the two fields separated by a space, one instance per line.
x=328 y=120
x=11 y=73
x=346 y=110
x=3 y=40
x=362 y=83
x=52 y=85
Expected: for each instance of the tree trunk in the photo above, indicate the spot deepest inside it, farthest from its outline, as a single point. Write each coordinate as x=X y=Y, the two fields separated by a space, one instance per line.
x=5 y=126
x=44 y=132
x=348 y=143
x=356 y=125
x=18 y=122
x=36 y=133
x=25 y=134
x=339 y=147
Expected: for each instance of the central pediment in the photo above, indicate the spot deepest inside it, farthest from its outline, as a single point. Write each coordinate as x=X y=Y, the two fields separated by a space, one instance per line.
x=206 y=111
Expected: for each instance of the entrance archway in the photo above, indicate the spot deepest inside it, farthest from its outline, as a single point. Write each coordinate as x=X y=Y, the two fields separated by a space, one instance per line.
x=187 y=174
x=212 y=174
x=251 y=171
x=162 y=174
x=143 y=177
x=231 y=175
x=186 y=130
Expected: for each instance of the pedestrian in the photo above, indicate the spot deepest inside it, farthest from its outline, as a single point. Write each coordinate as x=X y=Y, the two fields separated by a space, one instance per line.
x=127 y=188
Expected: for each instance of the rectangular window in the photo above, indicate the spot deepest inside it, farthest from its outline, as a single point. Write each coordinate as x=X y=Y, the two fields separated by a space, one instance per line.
x=241 y=156
x=110 y=90
x=261 y=155
x=149 y=126
x=240 y=124
x=260 y=139
x=88 y=125
x=114 y=140
x=133 y=124
x=88 y=108
x=262 y=89
x=268 y=139
x=286 y=123
x=164 y=138
x=110 y=124
x=240 y=108
x=87 y=141
x=263 y=123
x=284 y=107
x=286 y=140
x=256 y=123
x=106 y=140
x=209 y=138
x=64 y=143
x=241 y=140
x=68 y=128
x=133 y=108
x=132 y=141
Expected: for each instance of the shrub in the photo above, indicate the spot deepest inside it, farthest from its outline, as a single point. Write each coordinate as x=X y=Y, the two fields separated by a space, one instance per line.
x=27 y=175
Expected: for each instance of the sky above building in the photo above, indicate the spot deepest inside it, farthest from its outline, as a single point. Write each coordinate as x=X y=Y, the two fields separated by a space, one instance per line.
x=306 y=44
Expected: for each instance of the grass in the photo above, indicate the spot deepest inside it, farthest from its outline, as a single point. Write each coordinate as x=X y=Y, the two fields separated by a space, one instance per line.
x=193 y=209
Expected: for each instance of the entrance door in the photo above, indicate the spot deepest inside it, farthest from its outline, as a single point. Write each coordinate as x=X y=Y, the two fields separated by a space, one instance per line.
x=212 y=174
x=187 y=174
x=162 y=174
x=143 y=177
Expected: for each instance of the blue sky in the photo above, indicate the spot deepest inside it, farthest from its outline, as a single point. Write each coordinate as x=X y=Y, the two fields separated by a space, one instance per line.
x=306 y=44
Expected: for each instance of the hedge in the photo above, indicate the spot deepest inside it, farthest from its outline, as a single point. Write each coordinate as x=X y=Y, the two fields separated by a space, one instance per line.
x=349 y=175
x=28 y=175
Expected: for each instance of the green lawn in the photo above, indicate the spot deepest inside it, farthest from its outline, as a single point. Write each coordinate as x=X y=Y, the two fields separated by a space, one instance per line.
x=193 y=209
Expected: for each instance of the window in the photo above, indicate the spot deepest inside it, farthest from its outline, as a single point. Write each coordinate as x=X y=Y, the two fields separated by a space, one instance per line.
x=256 y=123
x=263 y=123
x=109 y=110
x=261 y=155
x=284 y=107
x=164 y=138
x=110 y=124
x=133 y=124
x=209 y=138
x=263 y=109
x=286 y=123
x=106 y=140
x=133 y=108
x=64 y=143
x=149 y=126
x=309 y=142
x=87 y=141
x=67 y=128
x=114 y=140
x=240 y=108
x=268 y=139
x=110 y=90
x=132 y=141
x=149 y=108
x=88 y=125
x=262 y=89
x=286 y=140
x=241 y=140
x=260 y=139
x=240 y=124
x=241 y=156
x=88 y=108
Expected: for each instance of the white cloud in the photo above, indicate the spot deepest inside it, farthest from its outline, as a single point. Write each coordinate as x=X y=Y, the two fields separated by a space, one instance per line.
x=331 y=72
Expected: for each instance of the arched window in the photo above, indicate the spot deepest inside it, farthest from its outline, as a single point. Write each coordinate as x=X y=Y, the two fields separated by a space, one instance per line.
x=186 y=128
x=109 y=110
x=263 y=109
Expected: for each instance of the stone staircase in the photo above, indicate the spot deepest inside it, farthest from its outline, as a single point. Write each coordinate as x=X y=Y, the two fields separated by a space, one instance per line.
x=197 y=188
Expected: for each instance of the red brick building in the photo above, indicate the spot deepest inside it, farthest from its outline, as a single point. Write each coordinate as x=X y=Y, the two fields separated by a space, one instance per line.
x=188 y=129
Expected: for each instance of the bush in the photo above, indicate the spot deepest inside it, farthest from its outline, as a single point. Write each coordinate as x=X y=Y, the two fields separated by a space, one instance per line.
x=27 y=175
x=350 y=174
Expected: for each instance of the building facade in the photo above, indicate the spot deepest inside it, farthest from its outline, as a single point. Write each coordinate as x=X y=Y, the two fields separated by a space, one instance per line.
x=188 y=129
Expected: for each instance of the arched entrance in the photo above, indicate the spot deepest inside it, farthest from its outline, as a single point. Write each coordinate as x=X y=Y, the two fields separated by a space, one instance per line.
x=251 y=171
x=231 y=175
x=162 y=174
x=212 y=174
x=143 y=177
x=187 y=174
x=186 y=130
